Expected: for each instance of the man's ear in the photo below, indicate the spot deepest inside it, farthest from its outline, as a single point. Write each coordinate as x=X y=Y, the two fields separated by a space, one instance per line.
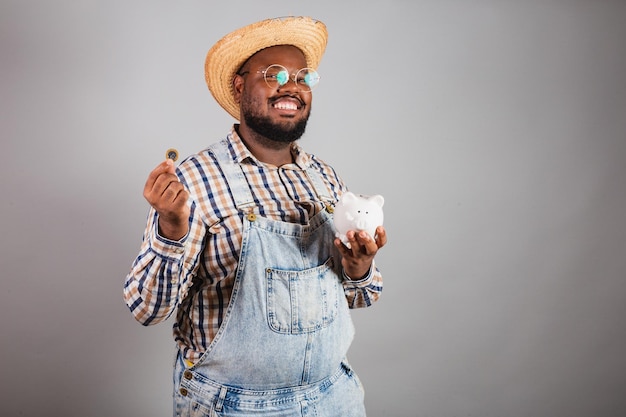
x=238 y=82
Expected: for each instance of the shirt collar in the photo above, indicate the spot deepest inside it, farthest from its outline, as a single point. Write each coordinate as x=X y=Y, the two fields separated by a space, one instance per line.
x=241 y=152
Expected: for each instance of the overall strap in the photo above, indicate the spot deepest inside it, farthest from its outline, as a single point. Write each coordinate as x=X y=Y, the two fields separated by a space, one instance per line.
x=318 y=185
x=234 y=176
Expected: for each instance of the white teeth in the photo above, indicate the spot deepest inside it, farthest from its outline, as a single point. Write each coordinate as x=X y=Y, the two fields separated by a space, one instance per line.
x=285 y=106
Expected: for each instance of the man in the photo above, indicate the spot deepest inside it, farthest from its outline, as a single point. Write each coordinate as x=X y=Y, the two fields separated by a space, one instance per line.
x=240 y=244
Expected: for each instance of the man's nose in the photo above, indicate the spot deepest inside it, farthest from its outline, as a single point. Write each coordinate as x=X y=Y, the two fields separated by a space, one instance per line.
x=289 y=86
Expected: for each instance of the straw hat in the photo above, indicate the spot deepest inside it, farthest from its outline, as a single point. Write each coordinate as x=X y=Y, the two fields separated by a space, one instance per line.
x=229 y=53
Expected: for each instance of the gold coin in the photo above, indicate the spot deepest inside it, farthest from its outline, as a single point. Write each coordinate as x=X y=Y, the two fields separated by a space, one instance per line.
x=172 y=154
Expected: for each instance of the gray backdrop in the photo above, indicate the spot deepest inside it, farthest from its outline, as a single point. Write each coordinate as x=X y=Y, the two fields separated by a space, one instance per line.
x=496 y=131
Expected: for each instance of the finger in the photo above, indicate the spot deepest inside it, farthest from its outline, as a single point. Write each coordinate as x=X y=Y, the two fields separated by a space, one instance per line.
x=160 y=185
x=179 y=207
x=342 y=248
x=381 y=236
x=353 y=248
x=164 y=167
x=367 y=245
x=173 y=190
x=181 y=197
x=350 y=249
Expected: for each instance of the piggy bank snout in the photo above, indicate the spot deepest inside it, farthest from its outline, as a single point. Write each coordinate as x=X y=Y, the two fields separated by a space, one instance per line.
x=366 y=220
x=360 y=219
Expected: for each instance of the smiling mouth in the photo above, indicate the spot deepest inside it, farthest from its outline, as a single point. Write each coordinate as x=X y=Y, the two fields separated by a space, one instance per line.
x=285 y=106
x=287 y=103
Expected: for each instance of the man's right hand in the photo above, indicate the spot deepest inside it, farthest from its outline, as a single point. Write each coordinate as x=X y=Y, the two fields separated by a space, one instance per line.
x=169 y=198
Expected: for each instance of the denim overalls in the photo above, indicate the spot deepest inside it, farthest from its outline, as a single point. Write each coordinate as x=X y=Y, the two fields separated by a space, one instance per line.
x=281 y=348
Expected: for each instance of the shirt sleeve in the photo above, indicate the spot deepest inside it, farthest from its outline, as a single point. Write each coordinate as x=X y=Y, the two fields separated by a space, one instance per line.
x=161 y=275
x=366 y=291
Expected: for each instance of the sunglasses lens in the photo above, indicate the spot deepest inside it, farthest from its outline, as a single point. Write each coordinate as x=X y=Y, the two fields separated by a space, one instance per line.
x=282 y=77
x=311 y=78
x=276 y=76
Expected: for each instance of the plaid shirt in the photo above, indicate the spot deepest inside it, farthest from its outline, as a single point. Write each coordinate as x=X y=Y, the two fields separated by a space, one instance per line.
x=195 y=276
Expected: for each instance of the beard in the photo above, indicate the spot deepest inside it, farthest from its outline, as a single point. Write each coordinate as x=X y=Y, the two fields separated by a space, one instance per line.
x=275 y=132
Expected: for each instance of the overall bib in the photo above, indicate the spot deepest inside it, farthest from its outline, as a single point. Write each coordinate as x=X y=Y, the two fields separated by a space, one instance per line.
x=281 y=348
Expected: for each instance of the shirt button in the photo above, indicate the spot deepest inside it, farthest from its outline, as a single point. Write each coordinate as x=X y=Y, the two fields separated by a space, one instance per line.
x=251 y=217
x=183 y=392
x=188 y=375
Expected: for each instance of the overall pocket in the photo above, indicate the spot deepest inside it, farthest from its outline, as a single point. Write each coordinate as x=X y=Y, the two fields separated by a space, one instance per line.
x=302 y=301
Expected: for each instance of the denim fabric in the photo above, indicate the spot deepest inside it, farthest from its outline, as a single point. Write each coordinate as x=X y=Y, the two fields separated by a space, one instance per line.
x=339 y=395
x=282 y=345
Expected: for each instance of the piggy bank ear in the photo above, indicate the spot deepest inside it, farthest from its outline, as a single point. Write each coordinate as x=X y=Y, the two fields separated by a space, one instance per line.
x=378 y=199
x=348 y=197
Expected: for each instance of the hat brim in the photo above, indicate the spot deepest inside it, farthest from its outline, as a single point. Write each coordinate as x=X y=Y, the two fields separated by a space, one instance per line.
x=229 y=53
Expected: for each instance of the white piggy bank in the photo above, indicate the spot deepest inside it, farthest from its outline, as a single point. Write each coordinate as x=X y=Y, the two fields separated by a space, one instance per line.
x=358 y=212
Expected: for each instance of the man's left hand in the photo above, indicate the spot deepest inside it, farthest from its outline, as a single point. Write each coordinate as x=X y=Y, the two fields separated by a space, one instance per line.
x=357 y=259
